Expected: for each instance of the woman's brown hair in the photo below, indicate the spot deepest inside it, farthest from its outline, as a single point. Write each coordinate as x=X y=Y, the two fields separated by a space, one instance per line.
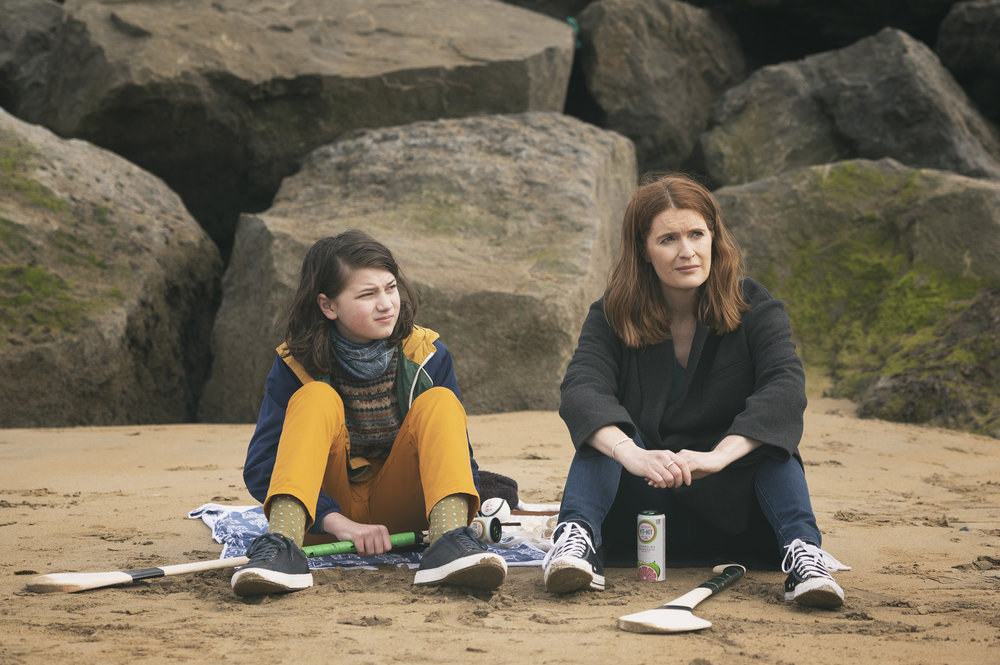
x=326 y=269
x=633 y=301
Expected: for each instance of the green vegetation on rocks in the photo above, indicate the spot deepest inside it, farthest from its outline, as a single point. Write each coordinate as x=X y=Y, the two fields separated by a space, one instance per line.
x=892 y=332
x=856 y=298
x=13 y=238
x=15 y=181
x=40 y=298
x=849 y=181
x=58 y=262
x=34 y=300
x=442 y=211
x=947 y=374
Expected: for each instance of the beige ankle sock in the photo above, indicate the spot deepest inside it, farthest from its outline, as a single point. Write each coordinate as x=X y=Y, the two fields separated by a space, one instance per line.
x=449 y=513
x=288 y=517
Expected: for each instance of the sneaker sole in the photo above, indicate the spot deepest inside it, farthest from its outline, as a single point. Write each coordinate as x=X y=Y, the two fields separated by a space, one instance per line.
x=486 y=571
x=822 y=593
x=258 y=582
x=564 y=576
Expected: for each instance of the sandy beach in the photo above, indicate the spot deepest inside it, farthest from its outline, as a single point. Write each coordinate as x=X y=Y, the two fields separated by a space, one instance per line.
x=914 y=510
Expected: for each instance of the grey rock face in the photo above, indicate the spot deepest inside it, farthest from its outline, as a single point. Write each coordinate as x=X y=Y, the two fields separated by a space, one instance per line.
x=936 y=219
x=107 y=288
x=27 y=31
x=654 y=67
x=888 y=274
x=223 y=99
x=950 y=378
x=506 y=225
x=885 y=96
x=969 y=46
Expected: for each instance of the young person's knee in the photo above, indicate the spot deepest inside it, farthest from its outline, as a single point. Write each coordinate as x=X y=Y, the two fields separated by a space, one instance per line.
x=318 y=403
x=438 y=395
x=317 y=395
x=314 y=418
x=438 y=402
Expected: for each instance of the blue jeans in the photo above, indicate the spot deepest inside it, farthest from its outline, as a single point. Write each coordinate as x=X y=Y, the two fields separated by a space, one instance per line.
x=601 y=494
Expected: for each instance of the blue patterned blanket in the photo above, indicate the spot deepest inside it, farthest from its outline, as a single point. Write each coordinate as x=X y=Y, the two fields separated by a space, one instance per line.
x=236 y=527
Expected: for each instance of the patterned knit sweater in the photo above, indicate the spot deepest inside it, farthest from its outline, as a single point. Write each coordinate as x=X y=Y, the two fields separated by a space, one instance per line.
x=372 y=411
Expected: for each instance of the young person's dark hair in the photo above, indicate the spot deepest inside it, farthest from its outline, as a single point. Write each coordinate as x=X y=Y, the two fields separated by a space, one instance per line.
x=361 y=432
x=633 y=302
x=326 y=269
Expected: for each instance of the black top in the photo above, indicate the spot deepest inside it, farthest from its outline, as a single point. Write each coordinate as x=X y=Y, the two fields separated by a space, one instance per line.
x=747 y=382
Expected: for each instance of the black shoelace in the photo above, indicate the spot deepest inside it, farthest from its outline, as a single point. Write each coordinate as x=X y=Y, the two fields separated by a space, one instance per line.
x=265 y=547
x=805 y=560
x=573 y=541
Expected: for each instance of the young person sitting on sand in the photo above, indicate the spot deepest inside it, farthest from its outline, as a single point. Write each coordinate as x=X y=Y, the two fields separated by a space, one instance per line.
x=361 y=432
x=685 y=396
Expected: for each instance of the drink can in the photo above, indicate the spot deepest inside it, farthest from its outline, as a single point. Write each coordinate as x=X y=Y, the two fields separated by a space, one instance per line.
x=651 y=545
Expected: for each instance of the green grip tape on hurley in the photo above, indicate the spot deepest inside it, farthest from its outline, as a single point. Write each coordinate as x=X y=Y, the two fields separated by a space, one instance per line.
x=347 y=547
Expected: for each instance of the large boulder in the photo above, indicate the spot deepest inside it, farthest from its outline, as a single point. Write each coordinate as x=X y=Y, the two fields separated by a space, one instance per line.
x=949 y=376
x=507 y=225
x=885 y=96
x=885 y=270
x=107 y=288
x=223 y=99
x=969 y=46
x=27 y=31
x=654 y=67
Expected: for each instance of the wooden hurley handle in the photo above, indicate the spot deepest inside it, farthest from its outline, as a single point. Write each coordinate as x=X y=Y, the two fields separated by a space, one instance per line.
x=73 y=582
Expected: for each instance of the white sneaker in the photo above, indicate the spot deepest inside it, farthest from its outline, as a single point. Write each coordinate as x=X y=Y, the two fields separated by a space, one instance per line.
x=809 y=580
x=572 y=563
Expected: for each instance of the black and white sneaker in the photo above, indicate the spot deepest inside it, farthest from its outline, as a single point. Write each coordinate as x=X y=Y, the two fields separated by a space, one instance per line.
x=458 y=557
x=276 y=565
x=809 y=580
x=572 y=563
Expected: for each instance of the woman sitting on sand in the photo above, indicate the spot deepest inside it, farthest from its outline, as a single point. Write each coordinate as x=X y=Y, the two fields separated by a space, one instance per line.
x=685 y=378
x=361 y=432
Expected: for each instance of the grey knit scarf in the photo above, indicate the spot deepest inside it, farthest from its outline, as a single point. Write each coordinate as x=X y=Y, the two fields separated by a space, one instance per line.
x=363 y=361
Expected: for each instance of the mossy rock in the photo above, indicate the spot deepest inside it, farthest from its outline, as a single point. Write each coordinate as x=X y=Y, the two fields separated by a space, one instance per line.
x=54 y=269
x=15 y=176
x=106 y=283
x=946 y=376
x=51 y=281
x=878 y=265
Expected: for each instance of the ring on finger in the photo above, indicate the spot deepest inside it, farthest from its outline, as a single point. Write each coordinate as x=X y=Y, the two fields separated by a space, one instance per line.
x=670 y=465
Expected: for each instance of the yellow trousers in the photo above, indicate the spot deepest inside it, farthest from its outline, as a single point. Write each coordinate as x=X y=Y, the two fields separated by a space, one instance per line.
x=429 y=460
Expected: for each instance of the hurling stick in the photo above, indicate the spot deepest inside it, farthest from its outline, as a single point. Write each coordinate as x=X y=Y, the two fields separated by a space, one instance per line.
x=677 y=616
x=73 y=582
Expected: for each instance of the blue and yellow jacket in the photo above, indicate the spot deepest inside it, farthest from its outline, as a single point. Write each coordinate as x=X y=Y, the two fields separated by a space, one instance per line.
x=424 y=362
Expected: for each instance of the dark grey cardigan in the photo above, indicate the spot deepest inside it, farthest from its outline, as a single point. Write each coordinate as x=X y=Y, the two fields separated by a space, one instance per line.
x=747 y=382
